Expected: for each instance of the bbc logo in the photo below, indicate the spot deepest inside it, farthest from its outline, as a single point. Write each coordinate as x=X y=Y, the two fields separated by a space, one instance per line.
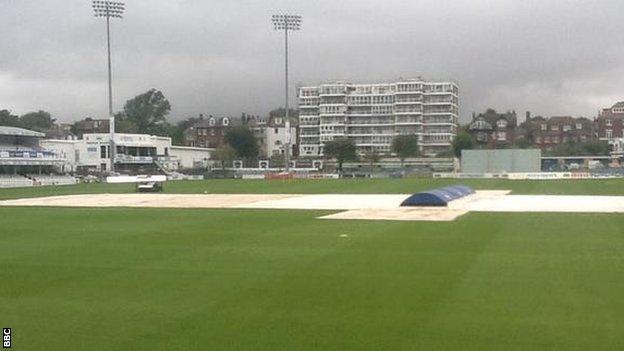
x=6 y=338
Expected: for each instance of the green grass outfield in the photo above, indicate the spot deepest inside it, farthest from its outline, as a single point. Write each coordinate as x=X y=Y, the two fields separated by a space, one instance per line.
x=163 y=279
x=333 y=186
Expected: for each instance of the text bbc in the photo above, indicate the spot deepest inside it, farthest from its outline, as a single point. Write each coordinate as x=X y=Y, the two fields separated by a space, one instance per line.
x=6 y=338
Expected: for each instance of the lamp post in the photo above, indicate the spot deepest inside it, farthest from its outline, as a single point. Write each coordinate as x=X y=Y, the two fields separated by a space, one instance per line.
x=108 y=10
x=287 y=23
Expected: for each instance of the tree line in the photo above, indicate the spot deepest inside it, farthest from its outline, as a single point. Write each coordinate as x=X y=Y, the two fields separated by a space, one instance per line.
x=40 y=121
x=147 y=113
x=463 y=141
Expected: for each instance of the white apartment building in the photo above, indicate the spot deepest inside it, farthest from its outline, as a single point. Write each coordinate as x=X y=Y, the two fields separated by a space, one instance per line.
x=373 y=114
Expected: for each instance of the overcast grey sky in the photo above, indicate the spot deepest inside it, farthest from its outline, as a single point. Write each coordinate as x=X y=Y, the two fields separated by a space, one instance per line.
x=552 y=57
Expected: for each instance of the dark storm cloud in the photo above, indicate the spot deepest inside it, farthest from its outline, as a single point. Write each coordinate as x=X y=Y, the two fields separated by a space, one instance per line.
x=222 y=57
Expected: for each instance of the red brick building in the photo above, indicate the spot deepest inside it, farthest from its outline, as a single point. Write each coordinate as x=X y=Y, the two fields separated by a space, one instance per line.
x=547 y=133
x=209 y=132
x=494 y=130
x=610 y=122
x=90 y=126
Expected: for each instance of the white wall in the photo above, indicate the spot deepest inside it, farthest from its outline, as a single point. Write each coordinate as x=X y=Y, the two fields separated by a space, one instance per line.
x=276 y=138
x=64 y=148
x=189 y=156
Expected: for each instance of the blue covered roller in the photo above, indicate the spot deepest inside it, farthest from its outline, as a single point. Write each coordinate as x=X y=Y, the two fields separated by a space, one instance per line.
x=461 y=190
x=438 y=197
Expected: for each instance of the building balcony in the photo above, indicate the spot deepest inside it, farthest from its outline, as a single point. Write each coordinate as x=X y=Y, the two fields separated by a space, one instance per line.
x=377 y=144
x=360 y=124
x=29 y=157
x=359 y=114
x=410 y=92
x=403 y=113
x=332 y=114
x=439 y=103
x=332 y=104
x=401 y=123
x=435 y=143
x=434 y=93
x=439 y=113
x=386 y=134
x=417 y=102
x=332 y=94
x=128 y=159
x=448 y=133
x=439 y=123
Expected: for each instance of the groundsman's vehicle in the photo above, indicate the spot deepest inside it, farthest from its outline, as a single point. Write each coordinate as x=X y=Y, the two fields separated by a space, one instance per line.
x=149 y=187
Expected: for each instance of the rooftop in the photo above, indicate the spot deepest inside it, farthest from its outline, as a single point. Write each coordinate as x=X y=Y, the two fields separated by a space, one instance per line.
x=14 y=131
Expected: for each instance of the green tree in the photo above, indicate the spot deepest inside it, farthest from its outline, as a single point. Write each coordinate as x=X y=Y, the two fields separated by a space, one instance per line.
x=281 y=112
x=242 y=140
x=125 y=125
x=523 y=144
x=8 y=119
x=592 y=148
x=405 y=146
x=595 y=148
x=371 y=157
x=342 y=150
x=446 y=154
x=147 y=112
x=39 y=121
x=224 y=155
x=176 y=132
x=462 y=141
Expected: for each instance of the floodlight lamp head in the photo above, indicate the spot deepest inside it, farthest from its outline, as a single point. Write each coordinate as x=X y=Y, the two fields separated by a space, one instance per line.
x=286 y=22
x=109 y=9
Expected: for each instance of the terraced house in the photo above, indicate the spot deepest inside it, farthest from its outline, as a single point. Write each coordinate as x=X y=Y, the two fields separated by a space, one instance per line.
x=547 y=133
x=611 y=122
x=373 y=114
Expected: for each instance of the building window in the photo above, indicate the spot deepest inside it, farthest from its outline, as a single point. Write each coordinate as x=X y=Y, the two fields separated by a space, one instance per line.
x=608 y=122
x=567 y=128
x=544 y=127
x=579 y=126
x=502 y=136
x=501 y=123
x=609 y=133
x=554 y=127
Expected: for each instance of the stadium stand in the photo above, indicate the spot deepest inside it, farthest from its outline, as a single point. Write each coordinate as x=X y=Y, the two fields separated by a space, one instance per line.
x=14 y=181
x=23 y=162
x=438 y=197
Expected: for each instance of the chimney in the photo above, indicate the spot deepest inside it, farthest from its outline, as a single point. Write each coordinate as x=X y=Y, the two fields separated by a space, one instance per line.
x=528 y=116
